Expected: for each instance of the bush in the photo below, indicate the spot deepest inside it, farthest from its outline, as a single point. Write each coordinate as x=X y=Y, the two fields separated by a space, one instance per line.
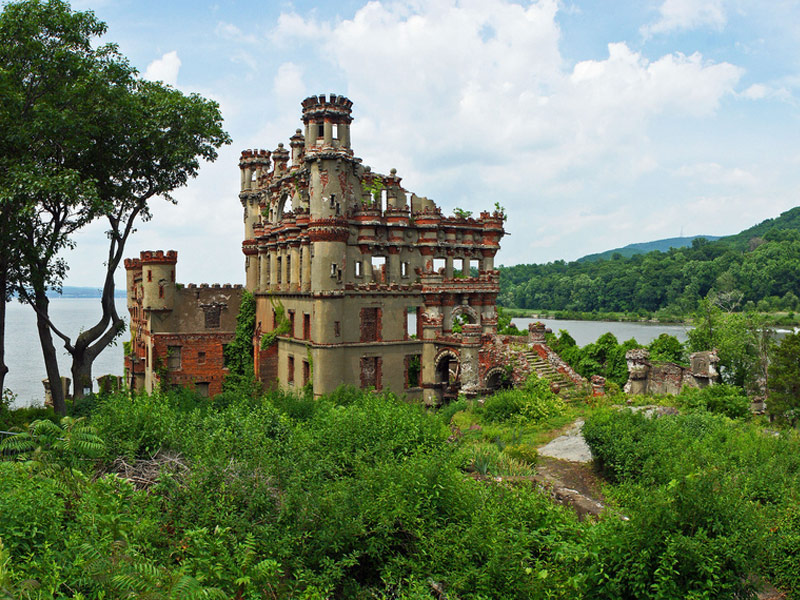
x=533 y=403
x=723 y=399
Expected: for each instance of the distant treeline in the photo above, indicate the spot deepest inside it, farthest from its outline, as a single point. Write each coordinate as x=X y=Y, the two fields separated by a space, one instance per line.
x=758 y=268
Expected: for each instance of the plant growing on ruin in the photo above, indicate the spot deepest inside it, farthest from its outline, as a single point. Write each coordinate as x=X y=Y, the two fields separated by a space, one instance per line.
x=281 y=324
x=461 y=213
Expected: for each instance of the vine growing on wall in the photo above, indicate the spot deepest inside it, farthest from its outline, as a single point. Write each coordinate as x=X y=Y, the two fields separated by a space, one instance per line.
x=281 y=324
x=239 y=351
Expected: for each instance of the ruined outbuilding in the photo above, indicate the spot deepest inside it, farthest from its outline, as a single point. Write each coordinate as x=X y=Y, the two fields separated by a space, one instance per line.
x=356 y=280
x=659 y=378
x=178 y=333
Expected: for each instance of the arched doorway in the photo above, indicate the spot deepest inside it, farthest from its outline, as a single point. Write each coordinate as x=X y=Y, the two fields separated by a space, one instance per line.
x=448 y=374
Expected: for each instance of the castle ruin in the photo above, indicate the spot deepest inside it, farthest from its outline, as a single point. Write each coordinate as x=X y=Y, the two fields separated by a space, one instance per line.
x=356 y=280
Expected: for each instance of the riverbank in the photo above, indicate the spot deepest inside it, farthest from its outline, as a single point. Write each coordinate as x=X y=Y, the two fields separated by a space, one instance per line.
x=773 y=319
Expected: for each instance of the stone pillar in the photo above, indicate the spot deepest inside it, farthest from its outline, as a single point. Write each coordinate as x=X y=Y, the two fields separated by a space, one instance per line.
x=536 y=333
x=393 y=265
x=327 y=133
x=306 y=266
x=294 y=252
x=366 y=259
x=263 y=280
x=284 y=271
x=344 y=135
x=251 y=268
x=448 y=267
x=488 y=261
x=273 y=269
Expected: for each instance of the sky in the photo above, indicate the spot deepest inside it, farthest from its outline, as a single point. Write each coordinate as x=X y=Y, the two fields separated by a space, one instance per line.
x=594 y=124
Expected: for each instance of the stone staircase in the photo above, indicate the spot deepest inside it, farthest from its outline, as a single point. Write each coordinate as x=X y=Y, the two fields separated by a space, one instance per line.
x=546 y=371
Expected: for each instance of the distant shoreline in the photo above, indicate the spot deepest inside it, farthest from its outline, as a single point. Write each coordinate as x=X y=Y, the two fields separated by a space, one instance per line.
x=71 y=291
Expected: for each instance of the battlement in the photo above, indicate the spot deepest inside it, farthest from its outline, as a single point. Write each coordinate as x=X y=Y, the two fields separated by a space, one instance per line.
x=158 y=257
x=315 y=106
x=132 y=264
x=213 y=286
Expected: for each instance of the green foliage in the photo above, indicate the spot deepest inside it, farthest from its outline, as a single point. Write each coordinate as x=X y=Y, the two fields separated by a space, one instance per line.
x=667 y=348
x=783 y=401
x=723 y=399
x=605 y=357
x=532 y=403
x=461 y=213
x=704 y=494
x=239 y=351
x=504 y=324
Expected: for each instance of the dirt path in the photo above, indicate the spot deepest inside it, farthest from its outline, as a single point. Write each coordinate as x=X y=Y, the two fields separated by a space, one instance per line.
x=565 y=469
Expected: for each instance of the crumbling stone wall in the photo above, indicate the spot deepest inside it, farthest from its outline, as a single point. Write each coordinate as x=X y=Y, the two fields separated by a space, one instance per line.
x=660 y=378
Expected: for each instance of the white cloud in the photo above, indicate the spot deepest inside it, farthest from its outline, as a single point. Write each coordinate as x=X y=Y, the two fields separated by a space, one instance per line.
x=473 y=102
x=229 y=31
x=716 y=174
x=288 y=82
x=164 y=69
x=678 y=15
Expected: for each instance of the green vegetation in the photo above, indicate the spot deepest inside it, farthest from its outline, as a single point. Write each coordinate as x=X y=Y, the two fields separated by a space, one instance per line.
x=359 y=495
x=712 y=505
x=758 y=269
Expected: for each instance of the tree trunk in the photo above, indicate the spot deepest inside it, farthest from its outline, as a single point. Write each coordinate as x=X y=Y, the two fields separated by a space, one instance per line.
x=91 y=342
x=3 y=297
x=49 y=353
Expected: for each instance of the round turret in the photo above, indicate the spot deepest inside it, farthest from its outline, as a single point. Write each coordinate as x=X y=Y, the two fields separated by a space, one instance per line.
x=327 y=121
x=158 y=279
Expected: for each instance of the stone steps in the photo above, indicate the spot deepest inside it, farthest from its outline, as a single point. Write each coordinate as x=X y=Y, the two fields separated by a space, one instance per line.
x=546 y=371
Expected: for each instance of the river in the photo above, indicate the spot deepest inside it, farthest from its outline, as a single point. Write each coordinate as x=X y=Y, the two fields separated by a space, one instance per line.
x=26 y=366
x=24 y=354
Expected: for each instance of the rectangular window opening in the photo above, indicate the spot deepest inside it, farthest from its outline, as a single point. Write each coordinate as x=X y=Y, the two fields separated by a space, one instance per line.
x=173 y=358
x=411 y=323
x=359 y=267
x=202 y=388
x=413 y=370
x=306 y=326
x=404 y=269
x=379 y=269
x=474 y=267
x=439 y=265
x=320 y=130
x=306 y=372
x=280 y=271
x=290 y=373
x=201 y=358
x=337 y=329
x=291 y=323
x=370 y=324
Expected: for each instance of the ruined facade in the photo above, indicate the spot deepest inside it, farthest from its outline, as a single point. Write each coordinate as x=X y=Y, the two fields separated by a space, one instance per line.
x=659 y=378
x=178 y=332
x=358 y=281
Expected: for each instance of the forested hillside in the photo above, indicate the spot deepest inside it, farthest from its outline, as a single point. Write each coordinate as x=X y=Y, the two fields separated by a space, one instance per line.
x=760 y=266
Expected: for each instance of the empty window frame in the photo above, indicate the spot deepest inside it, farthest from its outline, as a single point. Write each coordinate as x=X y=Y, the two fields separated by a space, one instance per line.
x=173 y=358
x=290 y=371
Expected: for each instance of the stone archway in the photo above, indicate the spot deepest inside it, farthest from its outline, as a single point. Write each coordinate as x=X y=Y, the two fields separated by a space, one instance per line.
x=497 y=378
x=470 y=313
x=447 y=366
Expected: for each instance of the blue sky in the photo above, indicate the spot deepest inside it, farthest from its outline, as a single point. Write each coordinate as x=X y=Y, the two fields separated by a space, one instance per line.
x=595 y=124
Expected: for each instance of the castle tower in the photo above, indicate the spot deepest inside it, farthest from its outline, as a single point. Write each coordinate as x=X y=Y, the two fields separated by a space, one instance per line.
x=327 y=122
x=158 y=279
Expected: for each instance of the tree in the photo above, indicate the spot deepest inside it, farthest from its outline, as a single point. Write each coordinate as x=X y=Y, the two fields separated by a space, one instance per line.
x=124 y=141
x=783 y=401
x=742 y=340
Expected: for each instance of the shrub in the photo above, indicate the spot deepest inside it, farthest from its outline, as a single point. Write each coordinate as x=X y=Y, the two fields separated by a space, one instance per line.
x=722 y=399
x=533 y=403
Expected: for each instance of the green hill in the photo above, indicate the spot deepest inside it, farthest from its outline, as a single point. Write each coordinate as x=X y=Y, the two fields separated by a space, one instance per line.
x=761 y=264
x=645 y=247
